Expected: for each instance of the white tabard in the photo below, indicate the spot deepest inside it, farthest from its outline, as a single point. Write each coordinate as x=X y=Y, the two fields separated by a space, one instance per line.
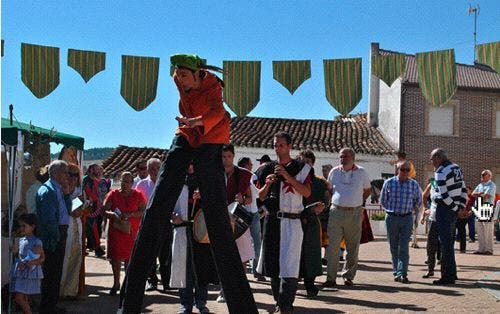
x=179 y=243
x=291 y=233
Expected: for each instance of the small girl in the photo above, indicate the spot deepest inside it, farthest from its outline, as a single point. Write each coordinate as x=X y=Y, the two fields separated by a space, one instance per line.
x=27 y=272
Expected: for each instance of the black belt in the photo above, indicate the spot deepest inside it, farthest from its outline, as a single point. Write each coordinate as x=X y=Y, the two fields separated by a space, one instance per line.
x=398 y=215
x=184 y=224
x=287 y=215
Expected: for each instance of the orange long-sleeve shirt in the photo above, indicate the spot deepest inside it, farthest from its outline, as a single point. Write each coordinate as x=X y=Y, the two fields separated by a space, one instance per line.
x=205 y=102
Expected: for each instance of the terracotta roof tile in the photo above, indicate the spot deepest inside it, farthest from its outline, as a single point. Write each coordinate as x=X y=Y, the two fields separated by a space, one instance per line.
x=123 y=158
x=468 y=76
x=318 y=135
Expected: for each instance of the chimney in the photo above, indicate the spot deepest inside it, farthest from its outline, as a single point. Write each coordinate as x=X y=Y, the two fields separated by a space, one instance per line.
x=373 y=90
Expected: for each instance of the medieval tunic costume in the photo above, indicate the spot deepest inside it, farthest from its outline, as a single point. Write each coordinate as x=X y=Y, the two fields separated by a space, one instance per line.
x=282 y=238
x=186 y=250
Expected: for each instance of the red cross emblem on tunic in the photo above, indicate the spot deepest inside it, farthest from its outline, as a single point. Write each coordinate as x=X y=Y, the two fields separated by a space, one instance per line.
x=288 y=188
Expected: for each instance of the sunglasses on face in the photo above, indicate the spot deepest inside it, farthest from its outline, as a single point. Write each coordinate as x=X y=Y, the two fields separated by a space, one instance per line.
x=404 y=169
x=73 y=174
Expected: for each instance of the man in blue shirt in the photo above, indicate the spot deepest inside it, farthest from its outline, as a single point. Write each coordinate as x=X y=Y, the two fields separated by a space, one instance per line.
x=400 y=197
x=53 y=206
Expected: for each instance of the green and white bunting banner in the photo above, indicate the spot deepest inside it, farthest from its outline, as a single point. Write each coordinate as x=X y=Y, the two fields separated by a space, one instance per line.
x=87 y=63
x=489 y=54
x=242 y=85
x=139 y=80
x=40 y=68
x=388 y=68
x=343 y=83
x=291 y=74
x=437 y=75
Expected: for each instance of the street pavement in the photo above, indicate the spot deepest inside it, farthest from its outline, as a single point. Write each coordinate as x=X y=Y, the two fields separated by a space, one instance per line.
x=476 y=291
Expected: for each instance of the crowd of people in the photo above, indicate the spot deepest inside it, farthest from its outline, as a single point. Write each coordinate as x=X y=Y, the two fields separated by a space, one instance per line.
x=279 y=217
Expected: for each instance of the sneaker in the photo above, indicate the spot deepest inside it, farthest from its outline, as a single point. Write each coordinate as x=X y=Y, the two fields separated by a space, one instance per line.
x=472 y=241
x=151 y=286
x=428 y=275
x=184 y=310
x=488 y=253
x=221 y=299
x=397 y=278
x=404 y=279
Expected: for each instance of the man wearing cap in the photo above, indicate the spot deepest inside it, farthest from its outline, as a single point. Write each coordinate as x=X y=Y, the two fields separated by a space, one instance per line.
x=203 y=129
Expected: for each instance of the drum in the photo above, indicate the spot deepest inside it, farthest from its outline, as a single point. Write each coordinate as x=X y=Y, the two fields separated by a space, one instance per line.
x=241 y=218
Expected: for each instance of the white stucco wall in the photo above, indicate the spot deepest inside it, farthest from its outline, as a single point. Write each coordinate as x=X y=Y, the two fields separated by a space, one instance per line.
x=390 y=112
x=374 y=165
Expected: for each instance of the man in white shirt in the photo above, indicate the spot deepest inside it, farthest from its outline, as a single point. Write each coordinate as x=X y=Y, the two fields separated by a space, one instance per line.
x=142 y=171
x=255 y=229
x=350 y=186
x=146 y=187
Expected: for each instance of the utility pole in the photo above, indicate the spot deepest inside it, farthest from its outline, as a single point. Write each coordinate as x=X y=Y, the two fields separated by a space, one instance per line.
x=475 y=11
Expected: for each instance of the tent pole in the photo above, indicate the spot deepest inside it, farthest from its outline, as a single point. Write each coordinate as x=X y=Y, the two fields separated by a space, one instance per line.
x=12 y=162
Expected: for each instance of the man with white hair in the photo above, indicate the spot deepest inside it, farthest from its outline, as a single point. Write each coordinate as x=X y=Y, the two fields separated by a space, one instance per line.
x=400 y=198
x=351 y=186
x=486 y=191
x=146 y=187
x=53 y=206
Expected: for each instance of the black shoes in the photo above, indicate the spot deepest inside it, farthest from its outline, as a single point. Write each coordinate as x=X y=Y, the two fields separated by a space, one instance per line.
x=313 y=293
x=113 y=291
x=444 y=282
x=329 y=284
x=348 y=282
x=259 y=277
x=428 y=275
x=99 y=252
x=401 y=279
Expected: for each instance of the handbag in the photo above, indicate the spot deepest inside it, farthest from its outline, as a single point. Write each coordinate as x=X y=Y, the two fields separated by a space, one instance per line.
x=122 y=225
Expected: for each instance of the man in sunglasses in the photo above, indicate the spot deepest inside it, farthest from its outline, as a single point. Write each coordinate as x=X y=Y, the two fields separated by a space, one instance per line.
x=400 y=197
x=141 y=168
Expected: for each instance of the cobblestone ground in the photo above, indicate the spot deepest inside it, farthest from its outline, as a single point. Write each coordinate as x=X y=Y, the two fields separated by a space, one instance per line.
x=374 y=290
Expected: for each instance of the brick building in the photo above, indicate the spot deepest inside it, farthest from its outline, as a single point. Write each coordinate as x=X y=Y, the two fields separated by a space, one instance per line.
x=467 y=127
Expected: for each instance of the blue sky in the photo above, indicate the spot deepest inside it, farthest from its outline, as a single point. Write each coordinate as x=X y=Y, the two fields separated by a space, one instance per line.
x=216 y=30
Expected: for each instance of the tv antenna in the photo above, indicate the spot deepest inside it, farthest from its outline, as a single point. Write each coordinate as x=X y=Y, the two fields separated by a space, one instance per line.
x=475 y=11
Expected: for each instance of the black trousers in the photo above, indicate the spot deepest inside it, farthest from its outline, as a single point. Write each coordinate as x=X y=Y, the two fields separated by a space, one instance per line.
x=462 y=237
x=52 y=271
x=433 y=249
x=155 y=227
x=284 y=290
x=165 y=259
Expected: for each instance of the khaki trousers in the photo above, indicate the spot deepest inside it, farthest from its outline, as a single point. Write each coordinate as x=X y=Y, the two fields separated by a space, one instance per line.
x=343 y=222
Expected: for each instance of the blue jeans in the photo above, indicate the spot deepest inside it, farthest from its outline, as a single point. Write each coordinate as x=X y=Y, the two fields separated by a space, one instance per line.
x=446 y=220
x=187 y=297
x=255 y=231
x=399 y=231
